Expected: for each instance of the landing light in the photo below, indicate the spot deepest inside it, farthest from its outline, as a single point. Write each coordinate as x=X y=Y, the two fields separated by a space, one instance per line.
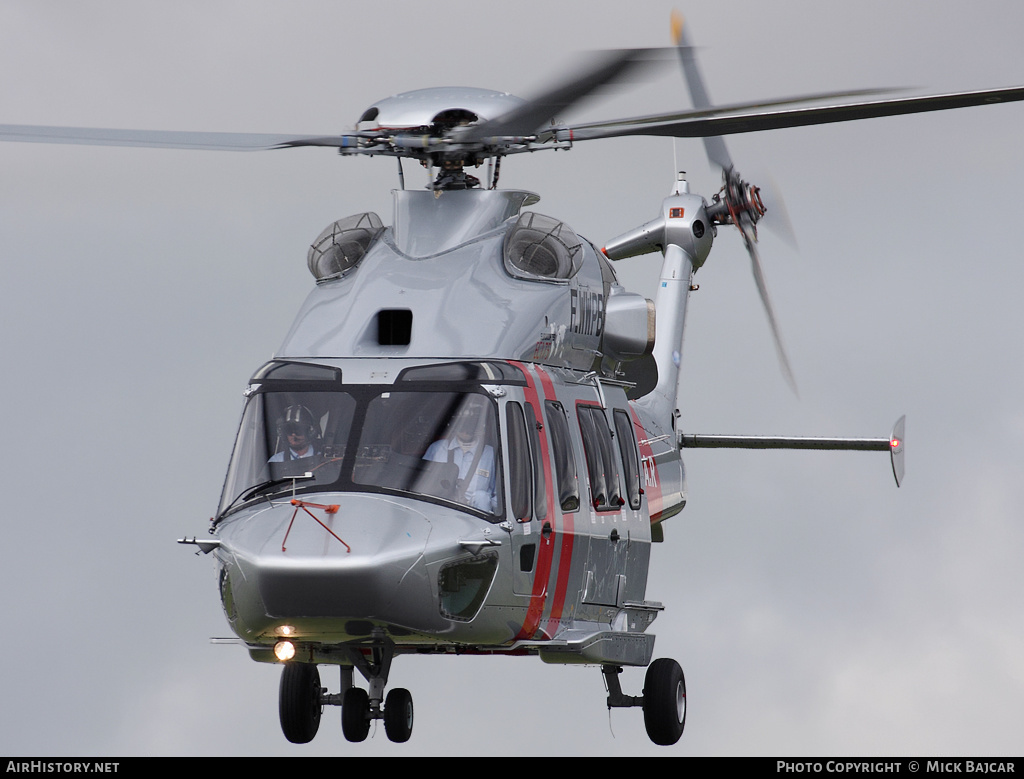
x=284 y=650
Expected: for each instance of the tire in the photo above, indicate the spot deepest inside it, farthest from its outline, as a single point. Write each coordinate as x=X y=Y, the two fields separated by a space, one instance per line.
x=665 y=701
x=398 y=715
x=299 y=702
x=355 y=714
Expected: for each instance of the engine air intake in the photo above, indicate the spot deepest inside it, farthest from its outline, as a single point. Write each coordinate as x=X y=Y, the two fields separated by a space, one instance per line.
x=539 y=247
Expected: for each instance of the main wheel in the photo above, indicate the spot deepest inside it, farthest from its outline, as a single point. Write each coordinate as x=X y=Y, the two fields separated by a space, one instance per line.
x=299 y=702
x=398 y=715
x=355 y=714
x=664 y=701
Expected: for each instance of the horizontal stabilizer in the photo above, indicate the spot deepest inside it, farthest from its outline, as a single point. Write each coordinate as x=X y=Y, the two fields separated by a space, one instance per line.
x=893 y=444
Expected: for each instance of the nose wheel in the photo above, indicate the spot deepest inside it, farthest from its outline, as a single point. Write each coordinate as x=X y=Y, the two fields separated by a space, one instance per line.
x=302 y=698
x=357 y=711
x=299 y=702
x=398 y=715
x=355 y=714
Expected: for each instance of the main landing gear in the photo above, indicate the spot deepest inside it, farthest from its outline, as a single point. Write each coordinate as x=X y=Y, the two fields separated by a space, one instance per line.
x=302 y=699
x=663 y=699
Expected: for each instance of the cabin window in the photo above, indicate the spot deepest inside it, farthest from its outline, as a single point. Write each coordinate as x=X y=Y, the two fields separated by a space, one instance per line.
x=518 y=462
x=540 y=484
x=627 y=448
x=601 y=462
x=565 y=461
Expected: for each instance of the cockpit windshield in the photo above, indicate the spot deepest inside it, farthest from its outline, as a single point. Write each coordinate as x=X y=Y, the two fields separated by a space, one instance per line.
x=440 y=446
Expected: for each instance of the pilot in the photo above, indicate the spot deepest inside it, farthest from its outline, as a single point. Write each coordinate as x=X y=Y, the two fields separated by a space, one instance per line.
x=464 y=445
x=297 y=427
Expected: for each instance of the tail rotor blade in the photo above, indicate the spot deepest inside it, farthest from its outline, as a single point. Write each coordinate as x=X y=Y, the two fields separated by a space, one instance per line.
x=742 y=204
x=776 y=217
x=714 y=145
x=750 y=239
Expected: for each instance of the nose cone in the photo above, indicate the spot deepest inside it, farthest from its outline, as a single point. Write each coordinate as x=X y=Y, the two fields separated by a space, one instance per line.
x=378 y=571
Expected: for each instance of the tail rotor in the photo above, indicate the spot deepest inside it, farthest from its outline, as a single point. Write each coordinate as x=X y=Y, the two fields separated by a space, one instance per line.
x=738 y=203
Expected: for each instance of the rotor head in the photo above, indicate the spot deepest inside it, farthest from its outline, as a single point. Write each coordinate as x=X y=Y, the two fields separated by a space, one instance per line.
x=437 y=110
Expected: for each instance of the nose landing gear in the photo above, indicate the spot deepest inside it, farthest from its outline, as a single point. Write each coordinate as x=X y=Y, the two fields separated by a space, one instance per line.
x=398 y=715
x=302 y=698
x=300 y=704
x=355 y=713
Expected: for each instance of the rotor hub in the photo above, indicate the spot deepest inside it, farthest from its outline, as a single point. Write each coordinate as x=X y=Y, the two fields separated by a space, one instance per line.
x=737 y=201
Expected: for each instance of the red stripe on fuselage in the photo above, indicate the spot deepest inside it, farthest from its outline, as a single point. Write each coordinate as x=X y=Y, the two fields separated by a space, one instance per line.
x=649 y=469
x=545 y=552
x=567 y=534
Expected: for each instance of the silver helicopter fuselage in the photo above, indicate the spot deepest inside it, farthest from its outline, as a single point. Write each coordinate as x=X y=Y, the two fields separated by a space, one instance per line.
x=369 y=544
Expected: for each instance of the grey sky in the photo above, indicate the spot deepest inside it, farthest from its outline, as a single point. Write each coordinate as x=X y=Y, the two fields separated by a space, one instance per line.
x=814 y=607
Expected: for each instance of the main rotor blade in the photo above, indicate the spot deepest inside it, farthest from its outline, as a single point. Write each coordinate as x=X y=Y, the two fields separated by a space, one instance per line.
x=702 y=127
x=750 y=239
x=580 y=130
x=535 y=113
x=714 y=145
x=167 y=139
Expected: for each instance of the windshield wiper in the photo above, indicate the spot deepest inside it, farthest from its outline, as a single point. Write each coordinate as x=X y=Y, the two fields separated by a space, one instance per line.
x=252 y=492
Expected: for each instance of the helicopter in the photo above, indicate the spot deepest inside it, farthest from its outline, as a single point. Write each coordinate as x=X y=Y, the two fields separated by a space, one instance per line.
x=296 y=484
